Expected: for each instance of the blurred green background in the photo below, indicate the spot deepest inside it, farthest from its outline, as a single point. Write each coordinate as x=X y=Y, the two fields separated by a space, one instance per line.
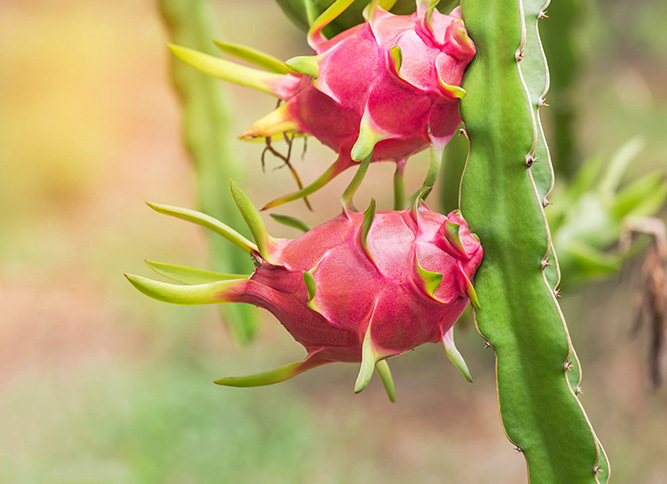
x=99 y=384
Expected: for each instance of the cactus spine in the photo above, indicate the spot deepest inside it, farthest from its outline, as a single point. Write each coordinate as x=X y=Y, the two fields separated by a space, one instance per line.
x=503 y=190
x=207 y=140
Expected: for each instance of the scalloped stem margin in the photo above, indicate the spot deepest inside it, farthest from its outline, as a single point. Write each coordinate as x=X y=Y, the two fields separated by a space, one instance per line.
x=503 y=201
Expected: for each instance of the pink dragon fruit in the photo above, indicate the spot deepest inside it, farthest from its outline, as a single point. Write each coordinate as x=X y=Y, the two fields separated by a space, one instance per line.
x=385 y=89
x=359 y=288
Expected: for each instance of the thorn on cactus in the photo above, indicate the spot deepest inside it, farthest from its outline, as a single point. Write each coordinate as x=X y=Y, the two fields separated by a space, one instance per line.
x=568 y=366
x=530 y=160
x=542 y=103
x=545 y=264
x=519 y=55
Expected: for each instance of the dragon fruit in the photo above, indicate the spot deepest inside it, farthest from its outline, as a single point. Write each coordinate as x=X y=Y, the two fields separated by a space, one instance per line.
x=361 y=287
x=385 y=89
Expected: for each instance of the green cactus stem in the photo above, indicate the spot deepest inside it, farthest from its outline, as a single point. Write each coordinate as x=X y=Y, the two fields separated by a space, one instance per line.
x=207 y=138
x=502 y=199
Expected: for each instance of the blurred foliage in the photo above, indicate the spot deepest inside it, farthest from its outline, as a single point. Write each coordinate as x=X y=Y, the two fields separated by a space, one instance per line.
x=591 y=214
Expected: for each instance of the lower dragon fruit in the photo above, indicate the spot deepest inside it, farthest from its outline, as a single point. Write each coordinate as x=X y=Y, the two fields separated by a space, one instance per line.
x=362 y=287
x=385 y=89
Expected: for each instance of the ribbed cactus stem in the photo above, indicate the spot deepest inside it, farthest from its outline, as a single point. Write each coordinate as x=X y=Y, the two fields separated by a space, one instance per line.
x=207 y=137
x=506 y=178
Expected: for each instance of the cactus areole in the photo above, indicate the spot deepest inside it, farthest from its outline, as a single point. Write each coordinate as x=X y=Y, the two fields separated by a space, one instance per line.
x=387 y=88
x=362 y=287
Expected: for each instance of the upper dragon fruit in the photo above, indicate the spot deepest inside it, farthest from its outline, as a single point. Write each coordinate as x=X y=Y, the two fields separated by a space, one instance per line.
x=385 y=89
x=361 y=287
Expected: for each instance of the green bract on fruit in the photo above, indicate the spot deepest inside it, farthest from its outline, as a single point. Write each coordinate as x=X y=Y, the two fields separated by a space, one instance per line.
x=362 y=287
x=385 y=89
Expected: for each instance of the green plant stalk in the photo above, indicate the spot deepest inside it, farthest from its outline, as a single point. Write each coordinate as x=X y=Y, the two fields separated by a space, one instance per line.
x=453 y=162
x=207 y=139
x=503 y=201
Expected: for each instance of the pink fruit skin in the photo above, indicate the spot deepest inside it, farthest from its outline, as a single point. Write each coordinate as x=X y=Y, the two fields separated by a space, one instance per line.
x=356 y=75
x=356 y=287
